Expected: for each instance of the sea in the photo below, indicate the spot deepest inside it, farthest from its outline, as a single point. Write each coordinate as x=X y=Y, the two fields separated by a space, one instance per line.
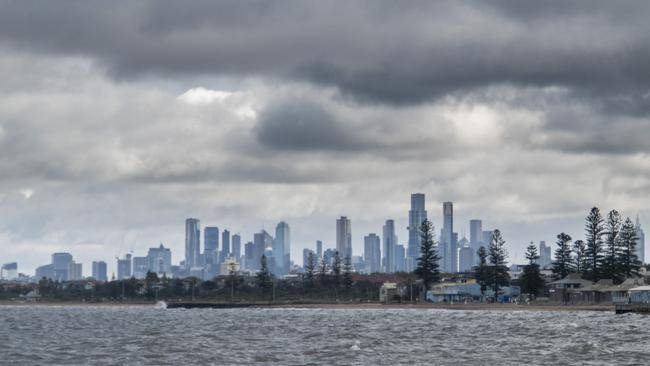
x=142 y=335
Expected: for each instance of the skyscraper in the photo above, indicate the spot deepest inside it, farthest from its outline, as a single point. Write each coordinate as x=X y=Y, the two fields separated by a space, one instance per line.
x=465 y=256
x=225 y=246
x=400 y=258
x=448 y=248
x=640 y=242
x=475 y=238
x=210 y=239
x=61 y=264
x=159 y=260
x=261 y=241
x=99 y=271
x=305 y=258
x=319 y=248
x=124 y=267
x=236 y=247
x=192 y=243
x=545 y=258
x=390 y=241
x=417 y=215
x=281 y=247
x=372 y=253
x=344 y=237
x=75 y=272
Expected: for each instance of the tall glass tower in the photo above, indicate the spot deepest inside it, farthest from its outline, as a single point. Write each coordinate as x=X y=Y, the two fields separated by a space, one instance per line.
x=417 y=215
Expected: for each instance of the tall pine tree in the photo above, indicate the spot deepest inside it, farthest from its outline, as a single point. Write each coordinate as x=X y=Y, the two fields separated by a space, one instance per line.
x=629 y=261
x=611 y=267
x=562 y=264
x=263 y=275
x=579 y=261
x=594 y=231
x=427 y=265
x=497 y=255
x=531 y=280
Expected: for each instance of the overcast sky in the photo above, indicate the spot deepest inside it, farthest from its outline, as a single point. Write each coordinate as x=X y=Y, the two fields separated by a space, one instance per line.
x=118 y=122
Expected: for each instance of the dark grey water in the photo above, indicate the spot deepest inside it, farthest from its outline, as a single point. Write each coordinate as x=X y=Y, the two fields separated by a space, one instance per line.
x=52 y=335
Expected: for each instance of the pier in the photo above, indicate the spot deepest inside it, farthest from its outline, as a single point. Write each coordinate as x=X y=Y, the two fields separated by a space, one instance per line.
x=633 y=308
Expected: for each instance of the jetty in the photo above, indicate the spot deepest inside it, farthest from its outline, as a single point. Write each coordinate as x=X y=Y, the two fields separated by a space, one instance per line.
x=632 y=308
x=207 y=305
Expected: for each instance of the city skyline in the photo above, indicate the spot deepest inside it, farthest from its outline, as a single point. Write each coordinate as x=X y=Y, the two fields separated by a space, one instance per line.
x=244 y=116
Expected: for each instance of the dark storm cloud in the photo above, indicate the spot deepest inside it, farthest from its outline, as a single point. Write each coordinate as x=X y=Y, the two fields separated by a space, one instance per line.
x=303 y=125
x=398 y=53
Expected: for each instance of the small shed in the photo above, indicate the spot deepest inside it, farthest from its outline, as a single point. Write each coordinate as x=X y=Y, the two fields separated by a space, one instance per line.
x=387 y=292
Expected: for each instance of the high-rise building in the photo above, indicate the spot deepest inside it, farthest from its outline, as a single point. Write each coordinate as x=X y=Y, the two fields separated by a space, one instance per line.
x=140 y=267
x=465 y=255
x=225 y=246
x=487 y=238
x=640 y=241
x=400 y=258
x=75 y=272
x=124 y=267
x=390 y=241
x=192 y=243
x=236 y=247
x=448 y=253
x=46 y=271
x=99 y=271
x=372 y=253
x=328 y=256
x=417 y=215
x=261 y=241
x=282 y=247
x=9 y=271
x=249 y=255
x=319 y=248
x=159 y=260
x=545 y=258
x=61 y=265
x=475 y=237
x=210 y=239
x=344 y=237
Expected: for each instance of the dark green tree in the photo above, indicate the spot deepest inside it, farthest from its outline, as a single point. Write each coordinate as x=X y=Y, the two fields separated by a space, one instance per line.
x=482 y=271
x=322 y=272
x=594 y=231
x=497 y=256
x=611 y=267
x=310 y=268
x=336 y=269
x=428 y=268
x=151 y=284
x=579 y=261
x=531 y=280
x=347 y=273
x=263 y=276
x=562 y=263
x=629 y=261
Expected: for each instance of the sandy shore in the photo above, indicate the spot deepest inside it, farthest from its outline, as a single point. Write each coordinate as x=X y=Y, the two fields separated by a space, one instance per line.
x=471 y=306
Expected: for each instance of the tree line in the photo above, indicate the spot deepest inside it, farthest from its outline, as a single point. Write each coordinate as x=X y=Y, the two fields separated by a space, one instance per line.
x=608 y=251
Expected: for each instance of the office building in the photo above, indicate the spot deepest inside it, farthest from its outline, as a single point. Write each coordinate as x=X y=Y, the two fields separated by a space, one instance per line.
x=261 y=241
x=390 y=241
x=61 y=265
x=9 y=271
x=46 y=271
x=545 y=255
x=236 y=247
x=100 y=272
x=448 y=252
x=192 y=243
x=344 y=237
x=225 y=246
x=400 y=258
x=75 y=271
x=305 y=258
x=249 y=255
x=124 y=267
x=417 y=215
x=159 y=260
x=465 y=255
x=282 y=247
x=319 y=249
x=372 y=253
x=140 y=267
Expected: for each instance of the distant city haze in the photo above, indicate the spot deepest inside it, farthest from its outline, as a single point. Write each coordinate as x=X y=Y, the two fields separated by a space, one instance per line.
x=116 y=126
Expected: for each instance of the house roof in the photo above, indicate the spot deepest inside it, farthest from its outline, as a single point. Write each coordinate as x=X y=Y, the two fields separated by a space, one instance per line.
x=572 y=279
x=640 y=288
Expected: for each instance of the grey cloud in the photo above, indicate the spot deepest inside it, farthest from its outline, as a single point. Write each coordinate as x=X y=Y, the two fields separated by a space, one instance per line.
x=373 y=51
x=301 y=124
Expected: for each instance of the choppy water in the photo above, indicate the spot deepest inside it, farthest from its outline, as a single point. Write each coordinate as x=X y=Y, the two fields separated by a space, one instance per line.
x=52 y=335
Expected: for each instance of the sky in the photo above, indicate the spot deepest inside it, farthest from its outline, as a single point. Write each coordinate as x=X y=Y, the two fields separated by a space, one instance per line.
x=118 y=121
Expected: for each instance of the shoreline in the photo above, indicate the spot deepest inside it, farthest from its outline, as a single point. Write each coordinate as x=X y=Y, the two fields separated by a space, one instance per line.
x=351 y=306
